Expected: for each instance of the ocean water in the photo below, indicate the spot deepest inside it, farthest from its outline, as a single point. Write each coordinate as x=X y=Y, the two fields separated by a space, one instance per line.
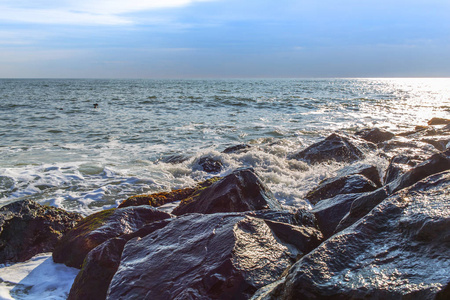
x=147 y=135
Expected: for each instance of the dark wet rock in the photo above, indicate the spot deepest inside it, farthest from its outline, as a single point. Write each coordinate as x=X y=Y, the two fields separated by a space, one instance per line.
x=375 y=135
x=361 y=206
x=439 y=121
x=398 y=251
x=444 y=294
x=241 y=148
x=399 y=165
x=158 y=199
x=369 y=171
x=28 y=228
x=208 y=164
x=99 y=227
x=239 y=191
x=303 y=238
x=330 y=212
x=216 y=256
x=439 y=142
x=334 y=148
x=101 y=264
x=342 y=185
x=438 y=162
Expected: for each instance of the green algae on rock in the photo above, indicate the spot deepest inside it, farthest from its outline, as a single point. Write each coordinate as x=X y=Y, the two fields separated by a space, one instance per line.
x=99 y=227
x=159 y=199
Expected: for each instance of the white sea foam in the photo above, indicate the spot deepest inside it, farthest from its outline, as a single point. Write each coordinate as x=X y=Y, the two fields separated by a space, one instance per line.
x=36 y=279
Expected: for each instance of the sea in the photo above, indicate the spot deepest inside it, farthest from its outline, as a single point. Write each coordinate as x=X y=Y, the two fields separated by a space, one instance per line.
x=147 y=135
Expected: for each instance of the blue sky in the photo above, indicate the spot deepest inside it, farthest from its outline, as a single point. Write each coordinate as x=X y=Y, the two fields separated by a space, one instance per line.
x=224 y=38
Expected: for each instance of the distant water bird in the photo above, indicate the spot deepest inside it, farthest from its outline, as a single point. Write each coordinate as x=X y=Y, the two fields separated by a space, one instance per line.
x=95 y=105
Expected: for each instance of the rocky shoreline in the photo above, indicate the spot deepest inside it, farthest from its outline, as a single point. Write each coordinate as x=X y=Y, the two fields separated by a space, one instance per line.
x=371 y=233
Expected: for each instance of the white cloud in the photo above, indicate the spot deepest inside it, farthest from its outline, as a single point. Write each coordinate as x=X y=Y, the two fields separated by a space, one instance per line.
x=82 y=12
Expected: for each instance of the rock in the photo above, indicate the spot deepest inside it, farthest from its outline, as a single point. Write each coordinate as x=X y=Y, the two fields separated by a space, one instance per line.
x=375 y=135
x=334 y=148
x=240 y=191
x=439 y=121
x=101 y=264
x=28 y=228
x=361 y=206
x=162 y=198
x=330 y=212
x=99 y=227
x=209 y=164
x=399 y=165
x=436 y=163
x=398 y=251
x=369 y=171
x=216 y=256
x=343 y=185
x=439 y=142
x=242 y=148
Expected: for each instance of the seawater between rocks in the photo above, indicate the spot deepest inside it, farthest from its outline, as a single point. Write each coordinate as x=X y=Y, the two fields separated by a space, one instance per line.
x=148 y=135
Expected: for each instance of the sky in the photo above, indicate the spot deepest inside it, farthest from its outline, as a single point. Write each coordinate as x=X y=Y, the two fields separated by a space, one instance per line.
x=224 y=38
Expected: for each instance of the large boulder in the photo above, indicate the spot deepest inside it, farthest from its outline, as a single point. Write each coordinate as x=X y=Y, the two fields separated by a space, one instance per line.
x=28 y=228
x=342 y=185
x=101 y=264
x=334 y=148
x=361 y=206
x=375 y=135
x=215 y=256
x=239 y=191
x=99 y=227
x=398 y=251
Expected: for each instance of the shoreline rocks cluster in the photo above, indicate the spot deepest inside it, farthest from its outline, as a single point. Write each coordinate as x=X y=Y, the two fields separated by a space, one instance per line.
x=371 y=233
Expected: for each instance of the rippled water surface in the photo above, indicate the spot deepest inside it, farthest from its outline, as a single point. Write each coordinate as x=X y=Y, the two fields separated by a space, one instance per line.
x=57 y=149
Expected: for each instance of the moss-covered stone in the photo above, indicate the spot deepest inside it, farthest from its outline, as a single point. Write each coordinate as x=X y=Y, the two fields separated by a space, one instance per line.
x=159 y=199
x=99 y=227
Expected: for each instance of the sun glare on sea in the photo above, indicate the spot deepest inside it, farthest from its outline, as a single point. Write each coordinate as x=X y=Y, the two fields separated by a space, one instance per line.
x=421 y=99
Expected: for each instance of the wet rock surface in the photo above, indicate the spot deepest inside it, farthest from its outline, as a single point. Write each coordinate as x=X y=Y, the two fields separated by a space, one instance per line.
x=334 y=148
x=240 y=191
x=375 y=135
x=102 y=263
x=342 y=185
x=97 y=228
x=364 y=204
x=209 y=164
x=28 y=228
x=330 y=212
x=397 y=251
x=226 y=256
